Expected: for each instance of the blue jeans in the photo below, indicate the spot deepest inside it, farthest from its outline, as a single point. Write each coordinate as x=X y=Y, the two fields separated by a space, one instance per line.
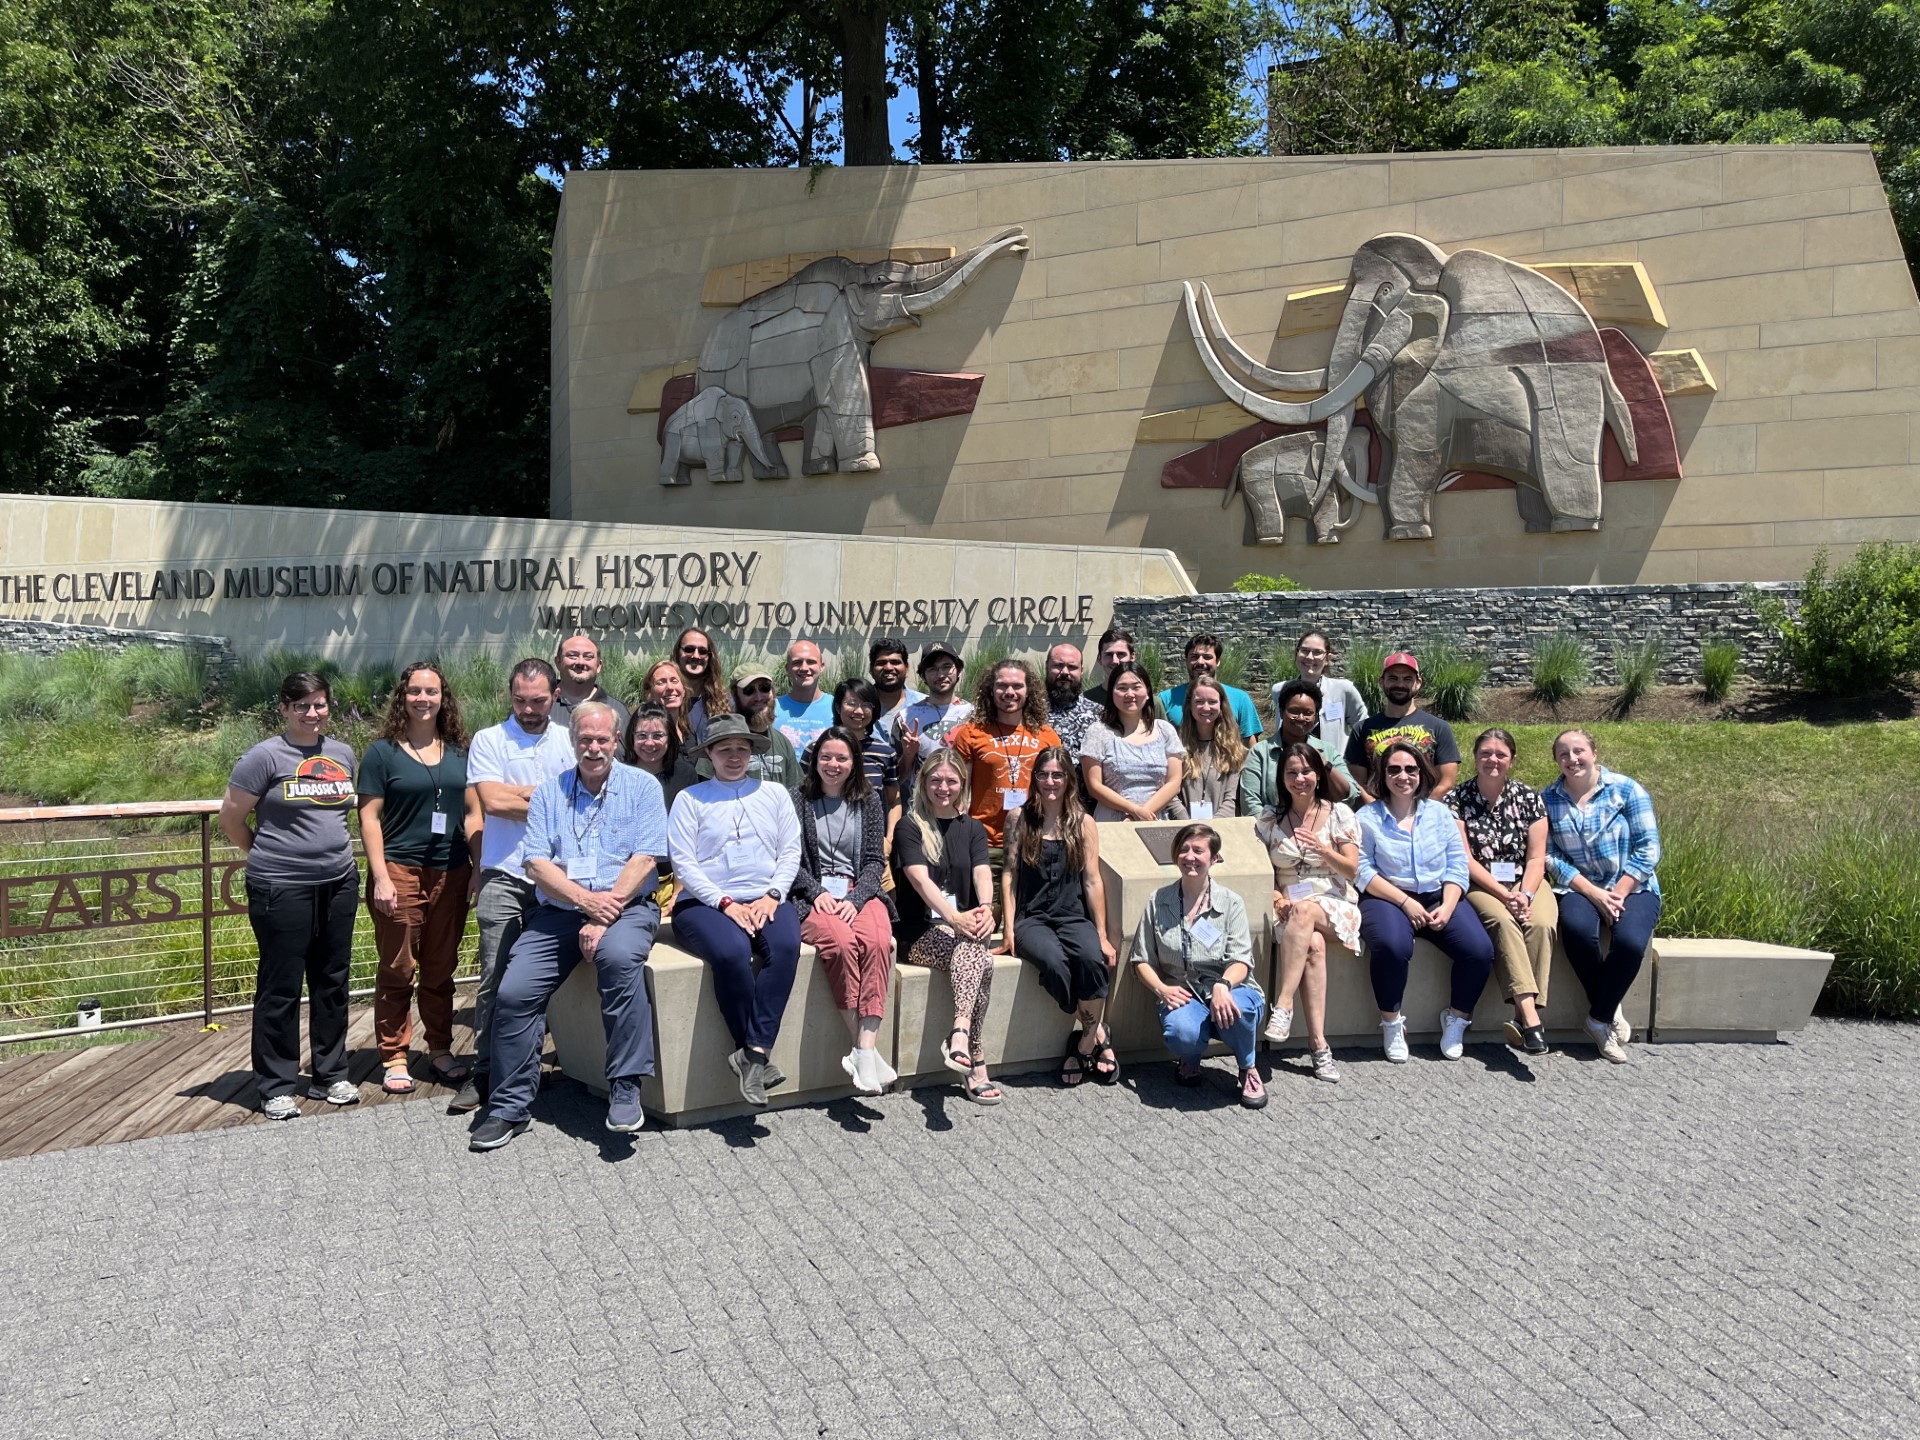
x=1389 y=937
x=1606 y=979
x=1190 y=1028
x=540 y=962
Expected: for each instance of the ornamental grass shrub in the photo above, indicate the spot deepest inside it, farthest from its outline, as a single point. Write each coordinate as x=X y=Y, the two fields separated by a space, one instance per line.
x=1559 y=667
x=1452 y=679
x=1719 y=668
x=1637 y=662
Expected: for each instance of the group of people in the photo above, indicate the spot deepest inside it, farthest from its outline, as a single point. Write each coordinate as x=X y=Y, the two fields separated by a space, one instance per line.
x=879 y=820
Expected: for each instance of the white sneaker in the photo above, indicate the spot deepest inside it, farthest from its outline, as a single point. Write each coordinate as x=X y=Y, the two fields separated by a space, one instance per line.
x=1605 y=1041
x=1279 y=1024
x=281 y=1107
x=854 y=1062
x=1453 y=1034
x=1393 y=1039
x=1622 y=1031
x=340 y=1092
x=882 y=1072
x=1324 y=1068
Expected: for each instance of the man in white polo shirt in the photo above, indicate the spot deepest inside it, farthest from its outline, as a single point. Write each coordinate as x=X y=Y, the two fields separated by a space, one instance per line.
x=505 y=765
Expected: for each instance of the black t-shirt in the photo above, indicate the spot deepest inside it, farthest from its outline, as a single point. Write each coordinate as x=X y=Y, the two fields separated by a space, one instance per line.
x=963 y=848
x=1432 y=735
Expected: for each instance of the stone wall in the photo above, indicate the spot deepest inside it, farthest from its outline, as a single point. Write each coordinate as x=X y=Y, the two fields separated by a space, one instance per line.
x=49 y=638
x=1499 y=625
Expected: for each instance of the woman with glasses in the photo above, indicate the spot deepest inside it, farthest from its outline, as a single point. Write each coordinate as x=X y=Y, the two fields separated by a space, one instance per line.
x=413 y=821
x=856 y=709
x=1341 y=708
x=302 y=894
x=1412 y=875
x=1056 y=910
x=699 y=664
x=654 y=742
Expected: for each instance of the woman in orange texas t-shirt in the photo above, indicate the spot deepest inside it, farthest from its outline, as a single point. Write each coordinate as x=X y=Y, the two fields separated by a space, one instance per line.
x=1008 y=730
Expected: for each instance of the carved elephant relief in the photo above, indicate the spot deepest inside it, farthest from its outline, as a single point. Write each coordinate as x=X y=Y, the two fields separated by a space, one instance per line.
x=1281 y=477
x=715 y=430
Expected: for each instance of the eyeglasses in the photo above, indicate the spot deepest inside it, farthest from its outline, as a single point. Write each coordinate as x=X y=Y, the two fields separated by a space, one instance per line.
x=1310 y=651
x=1403 y=769
x=1295 y=712
x=308 y=707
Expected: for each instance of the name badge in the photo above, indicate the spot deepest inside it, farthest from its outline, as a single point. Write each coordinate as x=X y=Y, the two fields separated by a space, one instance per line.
x=1012 y=799
x=953 y=900
x=583 y=867
x=1334 y=711
x=1200 y=810
x=837 y=886
x=439 y=822
x=1505 y=871
x=1205 y=931
x=1299 y=890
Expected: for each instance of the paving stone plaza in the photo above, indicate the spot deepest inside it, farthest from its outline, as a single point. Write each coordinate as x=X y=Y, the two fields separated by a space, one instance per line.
x=1713 y=1240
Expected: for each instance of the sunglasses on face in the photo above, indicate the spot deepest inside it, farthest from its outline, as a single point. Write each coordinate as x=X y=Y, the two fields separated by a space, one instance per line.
x=1403 y=769
x=758 y=687
x=695 y=650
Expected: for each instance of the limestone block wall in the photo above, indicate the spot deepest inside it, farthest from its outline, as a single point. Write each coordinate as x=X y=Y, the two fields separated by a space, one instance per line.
x=1497 y=624
x=1779 y=264
x=48 y=638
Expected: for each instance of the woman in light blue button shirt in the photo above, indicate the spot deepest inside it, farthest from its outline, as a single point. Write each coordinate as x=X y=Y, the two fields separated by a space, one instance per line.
x=1194 y=952
x=1413 y=871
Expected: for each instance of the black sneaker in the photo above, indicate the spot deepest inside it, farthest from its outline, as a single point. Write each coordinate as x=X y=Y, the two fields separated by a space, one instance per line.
x=473 y=1094
x=492 y=1133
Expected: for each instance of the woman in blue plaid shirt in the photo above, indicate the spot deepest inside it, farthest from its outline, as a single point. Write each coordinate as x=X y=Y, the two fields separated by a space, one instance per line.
x=1602 y=850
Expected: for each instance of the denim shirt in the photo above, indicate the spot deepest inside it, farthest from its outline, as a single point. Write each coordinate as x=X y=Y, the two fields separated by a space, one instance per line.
x=1432 y=856
x=567 y=821
x=1165 y=942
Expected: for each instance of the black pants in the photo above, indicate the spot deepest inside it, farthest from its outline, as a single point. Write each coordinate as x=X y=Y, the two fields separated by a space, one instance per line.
x=304 y=932
x=1067 y=955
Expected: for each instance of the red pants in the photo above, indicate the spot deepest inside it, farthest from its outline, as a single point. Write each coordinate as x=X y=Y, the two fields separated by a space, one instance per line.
x=858 y=957
x=420 y=939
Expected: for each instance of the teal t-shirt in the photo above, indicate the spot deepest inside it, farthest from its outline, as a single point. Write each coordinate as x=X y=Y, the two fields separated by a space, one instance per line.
x=411 y=794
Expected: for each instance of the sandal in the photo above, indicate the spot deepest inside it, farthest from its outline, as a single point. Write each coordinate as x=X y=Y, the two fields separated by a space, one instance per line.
x=397 y=1081
x=1073 y=1068
x=446 y=1070
x=1106 y=1065
x=984 y=1092
x=958 y=1058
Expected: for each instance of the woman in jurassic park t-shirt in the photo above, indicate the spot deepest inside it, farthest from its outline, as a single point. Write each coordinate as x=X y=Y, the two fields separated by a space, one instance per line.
x=302 y=894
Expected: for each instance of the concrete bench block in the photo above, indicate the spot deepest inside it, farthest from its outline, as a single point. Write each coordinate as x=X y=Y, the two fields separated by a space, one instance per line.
x=1024 y=1030
x=1734 y=989
x=693 y=1083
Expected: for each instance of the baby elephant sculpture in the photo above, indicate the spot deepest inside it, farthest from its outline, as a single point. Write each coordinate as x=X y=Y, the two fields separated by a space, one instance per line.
x=1281 y=477
x=715 y=430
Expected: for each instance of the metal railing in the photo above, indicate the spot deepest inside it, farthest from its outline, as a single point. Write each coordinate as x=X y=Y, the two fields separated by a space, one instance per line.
x=114 y=917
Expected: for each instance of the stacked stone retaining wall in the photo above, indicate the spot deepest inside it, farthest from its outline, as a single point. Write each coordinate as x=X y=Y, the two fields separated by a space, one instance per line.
x=1497 y=625
x=46 y=637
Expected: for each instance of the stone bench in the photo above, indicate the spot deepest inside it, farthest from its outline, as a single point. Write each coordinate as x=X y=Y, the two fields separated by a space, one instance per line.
x=1734 y=989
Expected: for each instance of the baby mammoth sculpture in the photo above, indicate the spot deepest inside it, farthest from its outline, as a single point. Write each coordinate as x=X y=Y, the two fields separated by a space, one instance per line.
x=716 y=430
x=1282 y=477
x=1466 y=362
x=798 y=353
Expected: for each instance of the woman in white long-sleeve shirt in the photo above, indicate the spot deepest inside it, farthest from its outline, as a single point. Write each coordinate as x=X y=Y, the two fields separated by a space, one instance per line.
x=735 y=843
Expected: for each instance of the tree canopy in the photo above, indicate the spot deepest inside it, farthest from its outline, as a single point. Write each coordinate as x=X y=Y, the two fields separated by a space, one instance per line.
x=297 y=251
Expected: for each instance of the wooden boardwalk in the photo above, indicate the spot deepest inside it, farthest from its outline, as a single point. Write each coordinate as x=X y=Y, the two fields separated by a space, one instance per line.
x=174 y=1080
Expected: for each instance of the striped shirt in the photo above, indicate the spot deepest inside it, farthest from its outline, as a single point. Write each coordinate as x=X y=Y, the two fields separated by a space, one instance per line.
x=1612 y=835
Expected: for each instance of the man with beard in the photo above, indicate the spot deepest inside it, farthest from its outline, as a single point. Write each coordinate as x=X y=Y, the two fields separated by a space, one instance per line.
x=887 y=664
x=579 y=664
x=1203 y=658
x=1401 y=719
x=1298 y=709
x=1008 y=730
x=1068 y=711
x=505 y=765
x=752 y=696
x=592 y=840
x=923 y=726
x=699 y=661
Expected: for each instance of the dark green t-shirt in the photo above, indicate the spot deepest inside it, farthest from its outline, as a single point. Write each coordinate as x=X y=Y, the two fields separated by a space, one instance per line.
x=412 y=794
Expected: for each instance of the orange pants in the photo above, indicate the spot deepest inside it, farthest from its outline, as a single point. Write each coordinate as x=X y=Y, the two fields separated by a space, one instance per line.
x=421 y=939
x=858 y=957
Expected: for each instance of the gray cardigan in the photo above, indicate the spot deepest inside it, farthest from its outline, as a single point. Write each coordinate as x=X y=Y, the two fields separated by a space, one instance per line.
x=873 y=858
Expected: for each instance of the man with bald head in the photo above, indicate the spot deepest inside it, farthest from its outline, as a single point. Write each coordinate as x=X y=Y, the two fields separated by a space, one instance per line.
x=1068 y=711
x=804 y=711
x=578 y=661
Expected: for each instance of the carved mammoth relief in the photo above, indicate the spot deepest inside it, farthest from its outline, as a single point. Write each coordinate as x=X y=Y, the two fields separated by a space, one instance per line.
x=715 y=430
x=799 y=353
x=1467 y=363
x=1283 y=476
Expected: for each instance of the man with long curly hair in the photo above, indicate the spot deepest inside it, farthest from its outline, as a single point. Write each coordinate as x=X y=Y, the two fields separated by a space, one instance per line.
x=1009 y=728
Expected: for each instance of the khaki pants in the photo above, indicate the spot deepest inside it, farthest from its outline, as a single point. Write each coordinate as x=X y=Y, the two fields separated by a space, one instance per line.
x=1522 y=956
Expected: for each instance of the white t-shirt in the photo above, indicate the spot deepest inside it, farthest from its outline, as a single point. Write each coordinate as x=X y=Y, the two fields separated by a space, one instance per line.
x=504 y=754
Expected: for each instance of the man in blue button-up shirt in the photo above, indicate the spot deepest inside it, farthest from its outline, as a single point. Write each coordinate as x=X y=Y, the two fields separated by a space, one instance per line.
x=593 y=835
